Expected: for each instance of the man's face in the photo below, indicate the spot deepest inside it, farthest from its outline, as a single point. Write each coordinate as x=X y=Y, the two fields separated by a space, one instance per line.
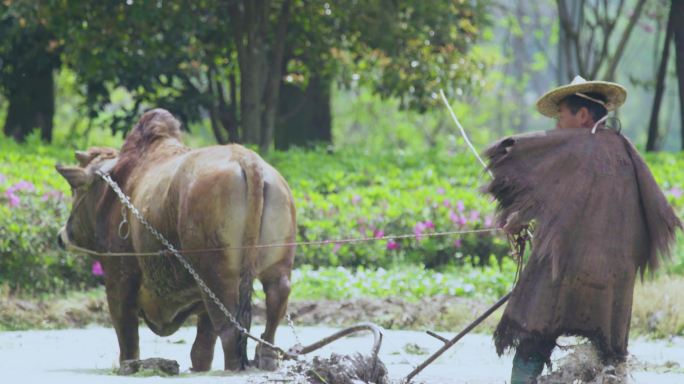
x=567 y=119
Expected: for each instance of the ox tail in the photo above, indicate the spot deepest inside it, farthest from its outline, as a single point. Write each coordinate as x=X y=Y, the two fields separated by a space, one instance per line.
x=253 y=175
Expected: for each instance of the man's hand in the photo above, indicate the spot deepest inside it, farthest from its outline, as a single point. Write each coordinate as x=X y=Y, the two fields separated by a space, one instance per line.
x=514 y=224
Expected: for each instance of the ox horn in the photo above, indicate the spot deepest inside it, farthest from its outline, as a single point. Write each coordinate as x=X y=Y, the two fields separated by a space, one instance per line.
x=83 y=157
x=75 y=176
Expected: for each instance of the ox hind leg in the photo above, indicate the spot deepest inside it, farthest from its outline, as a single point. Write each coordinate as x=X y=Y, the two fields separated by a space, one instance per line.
x=211 y=218
x=275 y=264
x=276 y=284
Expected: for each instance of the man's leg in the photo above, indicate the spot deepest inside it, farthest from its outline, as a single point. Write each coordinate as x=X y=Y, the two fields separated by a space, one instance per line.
x=529 y=360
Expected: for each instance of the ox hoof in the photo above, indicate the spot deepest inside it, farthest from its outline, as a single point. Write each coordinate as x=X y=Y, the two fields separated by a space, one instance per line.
x=266 y=358
x=233 y=365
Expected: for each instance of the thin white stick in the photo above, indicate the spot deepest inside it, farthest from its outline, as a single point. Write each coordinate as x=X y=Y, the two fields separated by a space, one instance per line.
x=463 y=132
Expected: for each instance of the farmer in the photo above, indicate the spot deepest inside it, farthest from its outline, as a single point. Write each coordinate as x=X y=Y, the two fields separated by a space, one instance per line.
x=599 y=218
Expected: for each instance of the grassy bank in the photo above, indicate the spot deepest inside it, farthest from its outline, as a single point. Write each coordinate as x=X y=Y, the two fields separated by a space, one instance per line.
x=658 y=309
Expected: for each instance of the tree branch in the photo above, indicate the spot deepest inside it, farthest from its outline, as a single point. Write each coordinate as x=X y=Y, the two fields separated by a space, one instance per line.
x=610 y=73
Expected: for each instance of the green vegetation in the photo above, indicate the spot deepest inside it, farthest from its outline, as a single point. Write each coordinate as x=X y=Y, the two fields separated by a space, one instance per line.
x=410 y=282
x=349 y=193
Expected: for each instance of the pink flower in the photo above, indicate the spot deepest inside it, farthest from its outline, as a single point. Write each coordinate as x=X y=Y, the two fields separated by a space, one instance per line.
x=457 y=243
x=356 y=199
x=392 y=245
x=460 y=206
x=97 y=269
x=428 y=224
x=378 y=233
x=440 y=191
x=446 y=203
x=675 y=192
x=474 y=216
x=336 y=248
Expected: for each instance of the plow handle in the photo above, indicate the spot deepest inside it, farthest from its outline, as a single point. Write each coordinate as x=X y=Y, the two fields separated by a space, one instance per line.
x=456 y=338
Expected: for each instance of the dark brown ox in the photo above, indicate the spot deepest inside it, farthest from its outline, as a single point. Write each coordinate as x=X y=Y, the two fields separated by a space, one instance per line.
x=201 y=200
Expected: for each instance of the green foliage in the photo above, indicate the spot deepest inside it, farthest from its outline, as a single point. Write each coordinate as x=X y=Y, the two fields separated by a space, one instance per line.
x=411 y=282
x=348 y=193
x=352 y=194
x=32 y=209
x=29 y=259
x=409 y=50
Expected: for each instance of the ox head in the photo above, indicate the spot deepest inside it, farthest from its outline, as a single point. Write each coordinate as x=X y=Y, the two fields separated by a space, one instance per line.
x=80 y=227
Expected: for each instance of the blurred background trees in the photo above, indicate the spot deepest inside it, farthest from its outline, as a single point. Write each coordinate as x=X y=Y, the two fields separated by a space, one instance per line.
x=278 y=73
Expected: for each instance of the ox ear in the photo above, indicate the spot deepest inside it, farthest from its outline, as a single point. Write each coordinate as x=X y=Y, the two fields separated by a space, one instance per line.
x=76 y=176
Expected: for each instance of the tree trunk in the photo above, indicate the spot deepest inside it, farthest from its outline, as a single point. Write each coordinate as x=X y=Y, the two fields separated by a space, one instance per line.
x=678 y=9
x=652 y=143
x=305 y=115
x=275 y=71
x=571 y=19
x=31 y=105
x=249 y=20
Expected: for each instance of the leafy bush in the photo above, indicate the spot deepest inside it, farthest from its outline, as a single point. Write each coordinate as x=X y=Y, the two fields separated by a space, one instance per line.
x=343 y=194
x=29 y=259
x=410 y=282
x=352 y=194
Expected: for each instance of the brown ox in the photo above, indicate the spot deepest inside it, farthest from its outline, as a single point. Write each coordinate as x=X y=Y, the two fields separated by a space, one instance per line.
x=204 y=199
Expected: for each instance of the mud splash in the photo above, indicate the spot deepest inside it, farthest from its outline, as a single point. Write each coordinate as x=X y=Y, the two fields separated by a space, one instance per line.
x=583 y=366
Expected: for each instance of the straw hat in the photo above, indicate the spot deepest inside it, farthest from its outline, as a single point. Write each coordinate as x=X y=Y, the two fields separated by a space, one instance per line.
x=615 y=95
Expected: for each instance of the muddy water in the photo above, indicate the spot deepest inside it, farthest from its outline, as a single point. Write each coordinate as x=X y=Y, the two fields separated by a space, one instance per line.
x=90 y=355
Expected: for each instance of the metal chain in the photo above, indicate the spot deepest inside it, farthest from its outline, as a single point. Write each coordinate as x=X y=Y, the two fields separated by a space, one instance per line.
x=126 y=201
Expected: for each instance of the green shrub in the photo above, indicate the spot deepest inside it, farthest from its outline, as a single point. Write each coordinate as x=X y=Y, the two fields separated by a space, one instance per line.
x=30 y=261
x=343 y=194
x=411 y=282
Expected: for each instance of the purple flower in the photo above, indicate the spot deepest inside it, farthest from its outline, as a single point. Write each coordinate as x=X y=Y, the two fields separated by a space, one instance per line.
x=446 y=203
x=429 y=224
x=378 y=233
x=356 y=199
x=3 y=178
x=462 y=220
x=392 y=245
x=97 y=269
x=488 y=221
x=474 y=215
x=457 y=243
x=22 y=186
x=460 y=206
x=440 y=191
x=13 y=199
x=418 y=230
x=675 y=192
x=336 y=248
x=453 y=217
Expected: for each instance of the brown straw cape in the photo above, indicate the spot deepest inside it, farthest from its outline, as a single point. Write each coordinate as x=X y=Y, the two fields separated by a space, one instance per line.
x=615 y=95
